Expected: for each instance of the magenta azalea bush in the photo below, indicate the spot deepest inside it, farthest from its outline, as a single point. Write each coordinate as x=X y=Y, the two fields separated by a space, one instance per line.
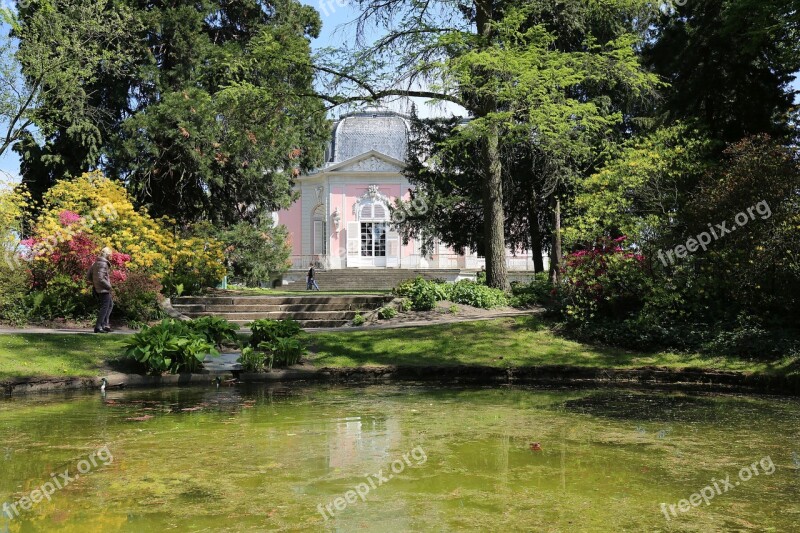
x=56 y=282
x=608 y=279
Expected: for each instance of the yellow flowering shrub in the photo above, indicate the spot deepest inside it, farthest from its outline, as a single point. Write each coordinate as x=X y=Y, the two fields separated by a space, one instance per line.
x=13 y=201
x=197 y=263
x=107 y=213
x=13 y=280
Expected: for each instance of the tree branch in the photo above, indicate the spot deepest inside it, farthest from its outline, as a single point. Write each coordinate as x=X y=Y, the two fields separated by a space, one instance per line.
x=376 y=95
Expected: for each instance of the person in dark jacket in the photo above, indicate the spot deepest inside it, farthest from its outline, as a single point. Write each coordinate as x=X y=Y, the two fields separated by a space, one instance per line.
x=310 y=281
x=99 y=275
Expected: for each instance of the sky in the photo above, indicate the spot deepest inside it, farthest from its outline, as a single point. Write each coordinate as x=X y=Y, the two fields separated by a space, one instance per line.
x=335 y=15
x=336 y=30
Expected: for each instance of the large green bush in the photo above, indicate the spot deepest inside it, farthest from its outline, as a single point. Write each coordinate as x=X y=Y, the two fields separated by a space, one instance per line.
x=736 y=296
x=171 y=346
x=137 y=298
x=216 y=330
x=267 y=330
x=423 y=293
x=539 y=291
x=63 y=297
x=273 y=342
x=257 y=252
x=468 y=292
x=14 y=308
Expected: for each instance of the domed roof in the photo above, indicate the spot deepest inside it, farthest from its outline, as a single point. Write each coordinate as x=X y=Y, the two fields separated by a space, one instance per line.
x=373 y=129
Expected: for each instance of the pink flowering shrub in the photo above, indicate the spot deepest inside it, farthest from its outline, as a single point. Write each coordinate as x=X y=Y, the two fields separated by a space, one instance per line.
x=58 y=265
x=71 y=258
x=606 y=280
x=68 y=218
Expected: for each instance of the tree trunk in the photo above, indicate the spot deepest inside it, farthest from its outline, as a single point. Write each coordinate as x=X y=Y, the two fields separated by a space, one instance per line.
x=555 y=253
x=494 y=215
x=536 y=234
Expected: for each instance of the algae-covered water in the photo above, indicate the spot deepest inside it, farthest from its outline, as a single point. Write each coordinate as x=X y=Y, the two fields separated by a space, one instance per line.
x=399 y=458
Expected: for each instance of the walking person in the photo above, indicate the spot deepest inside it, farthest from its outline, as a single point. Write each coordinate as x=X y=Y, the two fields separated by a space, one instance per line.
x=99 y=275
x=310 y=281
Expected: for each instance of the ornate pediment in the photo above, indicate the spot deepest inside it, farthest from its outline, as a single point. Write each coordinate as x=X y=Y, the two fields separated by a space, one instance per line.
x=371 y=164
x=372 y=195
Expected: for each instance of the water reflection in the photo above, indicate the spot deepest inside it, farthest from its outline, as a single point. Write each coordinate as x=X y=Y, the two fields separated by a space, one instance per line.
x=259 y=458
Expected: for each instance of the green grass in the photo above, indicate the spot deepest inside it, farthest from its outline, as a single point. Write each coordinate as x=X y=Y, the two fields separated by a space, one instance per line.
x=507 y=342
x=524 y=341
x=57 y=355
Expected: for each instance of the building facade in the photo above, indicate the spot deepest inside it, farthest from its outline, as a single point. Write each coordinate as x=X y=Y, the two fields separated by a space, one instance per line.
x=343 y=217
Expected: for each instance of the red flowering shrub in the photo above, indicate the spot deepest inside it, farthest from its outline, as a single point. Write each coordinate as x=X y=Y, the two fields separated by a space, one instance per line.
x=72 y=258
x=606 y=280
x=58 y=267
x=119 y=267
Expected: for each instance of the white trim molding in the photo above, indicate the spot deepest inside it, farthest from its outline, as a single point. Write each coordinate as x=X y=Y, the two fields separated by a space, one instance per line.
x=373 y=195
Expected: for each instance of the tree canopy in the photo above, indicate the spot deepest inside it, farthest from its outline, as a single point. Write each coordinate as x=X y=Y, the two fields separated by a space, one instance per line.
x=522 y=76
x=211 y=115
x=729 y=65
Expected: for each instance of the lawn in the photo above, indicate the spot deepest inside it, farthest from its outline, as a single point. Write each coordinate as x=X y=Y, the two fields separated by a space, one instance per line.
x=506 y=342
x=57 y=355
x=509 y=342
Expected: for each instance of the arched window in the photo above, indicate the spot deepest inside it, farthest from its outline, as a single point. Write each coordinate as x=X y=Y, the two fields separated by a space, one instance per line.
x=374 y=211
x=374 y=218
x=319 y=226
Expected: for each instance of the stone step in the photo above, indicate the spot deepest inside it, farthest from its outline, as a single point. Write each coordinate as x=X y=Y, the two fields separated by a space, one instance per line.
x=307 y=324
x=312 y=311
x=367 y=279
x=280 y=300
x=291 y=308
x=311 y=315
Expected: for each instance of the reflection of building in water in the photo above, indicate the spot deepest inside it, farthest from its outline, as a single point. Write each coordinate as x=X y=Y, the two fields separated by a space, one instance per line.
x=358 y=440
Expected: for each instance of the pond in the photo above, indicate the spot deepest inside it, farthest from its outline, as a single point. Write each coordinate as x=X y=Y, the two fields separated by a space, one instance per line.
x=399 y=458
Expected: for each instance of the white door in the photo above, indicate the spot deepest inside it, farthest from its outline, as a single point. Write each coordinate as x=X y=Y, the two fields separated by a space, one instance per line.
x=373 y=244
x=392 y=249
x=320 y=240
x=353 y=244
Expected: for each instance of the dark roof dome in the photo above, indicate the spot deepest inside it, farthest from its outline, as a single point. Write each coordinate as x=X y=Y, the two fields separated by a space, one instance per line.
x=372 y=129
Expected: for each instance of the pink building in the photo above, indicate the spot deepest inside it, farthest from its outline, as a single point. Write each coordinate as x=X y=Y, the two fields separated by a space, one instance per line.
x=343 y=220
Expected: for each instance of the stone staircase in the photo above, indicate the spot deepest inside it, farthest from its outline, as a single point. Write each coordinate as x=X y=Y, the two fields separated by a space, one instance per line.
x=362 y=279
x=310 y=311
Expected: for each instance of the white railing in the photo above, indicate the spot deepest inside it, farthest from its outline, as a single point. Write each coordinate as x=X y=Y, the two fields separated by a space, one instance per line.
x=300 y=262
x=522 y=263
